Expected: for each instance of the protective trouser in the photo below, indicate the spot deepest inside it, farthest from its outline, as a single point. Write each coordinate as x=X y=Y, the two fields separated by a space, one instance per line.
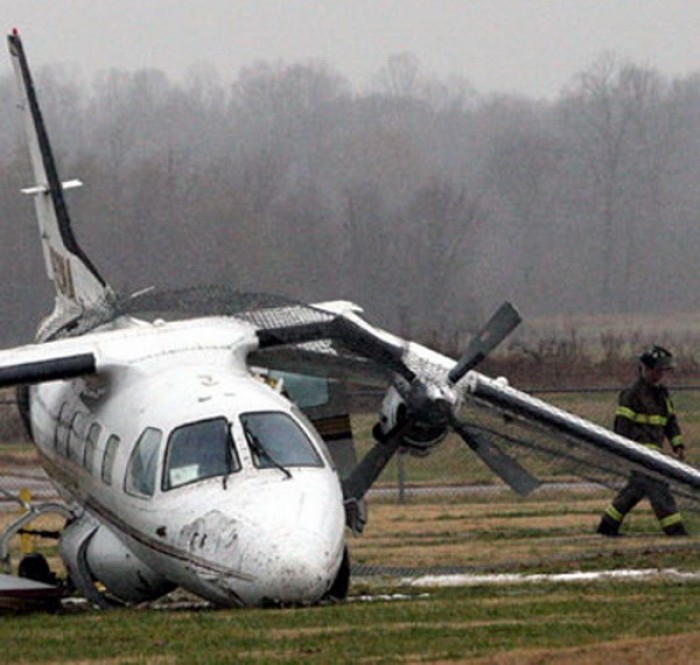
x=637 y=488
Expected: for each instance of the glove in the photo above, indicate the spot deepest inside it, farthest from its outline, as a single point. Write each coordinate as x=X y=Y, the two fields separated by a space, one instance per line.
x=679 y=452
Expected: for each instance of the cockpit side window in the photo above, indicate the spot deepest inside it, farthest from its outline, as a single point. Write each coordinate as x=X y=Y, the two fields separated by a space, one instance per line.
x=275 y=439
x=199 y=450
x=320 y=443
x=143 y=464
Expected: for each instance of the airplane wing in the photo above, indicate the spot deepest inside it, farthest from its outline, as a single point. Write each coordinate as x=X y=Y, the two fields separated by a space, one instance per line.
x=532 y=431
x=573 y=444
x=35 y=363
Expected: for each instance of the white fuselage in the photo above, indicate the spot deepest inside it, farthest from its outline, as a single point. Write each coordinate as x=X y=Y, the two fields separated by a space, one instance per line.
x=239 y=534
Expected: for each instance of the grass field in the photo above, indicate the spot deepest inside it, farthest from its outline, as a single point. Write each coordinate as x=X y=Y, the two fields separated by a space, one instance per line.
x=576 y=623
x=387 y=619
x=583 y=622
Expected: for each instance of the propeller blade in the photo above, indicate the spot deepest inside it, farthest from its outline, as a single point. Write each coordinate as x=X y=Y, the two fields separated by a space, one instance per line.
x=498 y=327
x=355 y=486
x=504 y=466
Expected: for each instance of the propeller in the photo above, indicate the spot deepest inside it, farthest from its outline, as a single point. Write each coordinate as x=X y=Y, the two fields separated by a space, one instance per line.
x=427 y=404
x=420 y=408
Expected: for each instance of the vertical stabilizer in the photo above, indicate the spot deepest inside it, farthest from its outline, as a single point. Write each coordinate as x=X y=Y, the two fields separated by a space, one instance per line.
x=79 y=286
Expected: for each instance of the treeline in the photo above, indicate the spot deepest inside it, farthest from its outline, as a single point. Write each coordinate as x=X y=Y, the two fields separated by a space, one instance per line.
x=418 y=198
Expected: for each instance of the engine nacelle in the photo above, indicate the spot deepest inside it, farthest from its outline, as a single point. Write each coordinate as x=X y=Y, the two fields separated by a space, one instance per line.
x=126 y=576
x=421 y=438
x=91 y=552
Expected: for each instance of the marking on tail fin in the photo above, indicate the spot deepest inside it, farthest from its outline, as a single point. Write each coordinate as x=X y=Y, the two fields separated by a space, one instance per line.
x=62 y=275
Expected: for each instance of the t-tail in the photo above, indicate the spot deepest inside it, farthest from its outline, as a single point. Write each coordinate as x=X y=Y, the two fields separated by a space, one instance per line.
x=79 y=285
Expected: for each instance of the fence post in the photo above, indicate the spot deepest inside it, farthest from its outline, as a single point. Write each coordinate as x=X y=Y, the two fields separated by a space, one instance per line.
x=26 y=539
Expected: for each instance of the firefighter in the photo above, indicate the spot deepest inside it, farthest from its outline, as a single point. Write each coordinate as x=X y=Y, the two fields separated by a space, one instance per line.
x=645 y=414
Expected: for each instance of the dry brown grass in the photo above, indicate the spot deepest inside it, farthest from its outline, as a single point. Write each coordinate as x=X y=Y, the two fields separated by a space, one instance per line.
x=502 y=534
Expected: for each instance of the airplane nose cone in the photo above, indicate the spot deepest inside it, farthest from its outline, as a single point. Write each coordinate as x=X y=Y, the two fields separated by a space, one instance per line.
x=296 y=565
x=292 y=543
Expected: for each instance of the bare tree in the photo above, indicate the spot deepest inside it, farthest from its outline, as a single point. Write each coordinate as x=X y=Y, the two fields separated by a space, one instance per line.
x=400 y=77
x=608 y=107
x=439 y=239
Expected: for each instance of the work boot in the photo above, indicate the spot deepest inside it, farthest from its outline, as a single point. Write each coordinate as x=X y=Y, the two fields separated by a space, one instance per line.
x=608 y=527
x=676 y=530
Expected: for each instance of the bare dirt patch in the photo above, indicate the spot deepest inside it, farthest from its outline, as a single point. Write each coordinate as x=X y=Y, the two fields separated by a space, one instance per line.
x=671 y=650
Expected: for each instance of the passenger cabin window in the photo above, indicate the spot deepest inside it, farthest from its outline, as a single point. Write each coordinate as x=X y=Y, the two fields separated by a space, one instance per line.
x=93 y=436
x=143 y=464
x=61 y=434
x=275 y=439
x=199 y=450
x=76 y=437
x=109 y=457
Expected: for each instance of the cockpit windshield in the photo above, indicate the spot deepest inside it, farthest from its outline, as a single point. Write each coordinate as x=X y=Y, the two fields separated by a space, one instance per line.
x=275 y=439
x=199 y=450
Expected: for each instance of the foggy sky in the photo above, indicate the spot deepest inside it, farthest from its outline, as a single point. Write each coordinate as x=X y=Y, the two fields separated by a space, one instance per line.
x=530 y=47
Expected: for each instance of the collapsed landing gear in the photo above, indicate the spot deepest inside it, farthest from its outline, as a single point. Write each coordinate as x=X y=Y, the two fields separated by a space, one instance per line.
x=32 y=512
x=47 y=594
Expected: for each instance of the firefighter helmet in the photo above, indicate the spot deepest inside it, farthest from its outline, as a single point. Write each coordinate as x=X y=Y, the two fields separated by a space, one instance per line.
x=656 y=357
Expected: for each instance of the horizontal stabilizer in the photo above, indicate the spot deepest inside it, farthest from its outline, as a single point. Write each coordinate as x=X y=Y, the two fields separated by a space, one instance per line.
x=43 y=189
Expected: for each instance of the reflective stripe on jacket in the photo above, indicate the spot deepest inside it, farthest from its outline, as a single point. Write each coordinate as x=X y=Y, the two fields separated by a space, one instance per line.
x=646 y=415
